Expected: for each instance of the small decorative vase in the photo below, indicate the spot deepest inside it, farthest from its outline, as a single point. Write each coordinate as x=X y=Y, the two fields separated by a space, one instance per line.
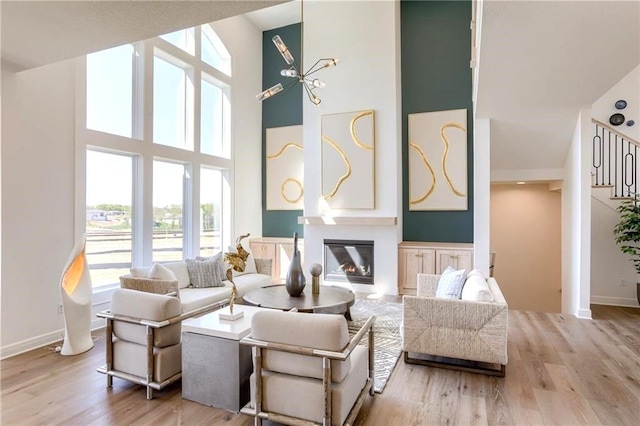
x=315 y=270
x=295 y=281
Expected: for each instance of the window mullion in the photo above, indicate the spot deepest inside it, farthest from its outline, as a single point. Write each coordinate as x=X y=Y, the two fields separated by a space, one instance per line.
x=145 y=185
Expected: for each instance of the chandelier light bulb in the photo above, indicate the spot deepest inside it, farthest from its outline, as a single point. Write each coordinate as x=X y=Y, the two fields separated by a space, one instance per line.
x=284 y=50
x=331 y=62
x=292 y=72
x=269 y=92
x=314 y=83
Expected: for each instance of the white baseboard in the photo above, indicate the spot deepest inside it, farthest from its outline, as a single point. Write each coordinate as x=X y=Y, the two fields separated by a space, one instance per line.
x=614 y=301
x=42 y=340
x=584 y=314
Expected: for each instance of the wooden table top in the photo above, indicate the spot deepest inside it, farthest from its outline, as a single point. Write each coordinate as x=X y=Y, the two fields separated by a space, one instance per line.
x=330 y=300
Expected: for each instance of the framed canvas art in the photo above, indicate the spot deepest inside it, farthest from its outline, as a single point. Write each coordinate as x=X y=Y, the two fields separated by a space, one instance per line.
x=285 y=168
x=348 y=160
x=438 y=160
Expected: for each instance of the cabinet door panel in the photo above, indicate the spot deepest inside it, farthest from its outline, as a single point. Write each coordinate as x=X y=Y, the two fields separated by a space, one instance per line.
x=458 y=259
x=414 y=262
x=266 y=251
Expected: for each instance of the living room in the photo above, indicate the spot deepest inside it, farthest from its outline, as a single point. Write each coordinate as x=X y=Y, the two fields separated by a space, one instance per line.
x=40 y=131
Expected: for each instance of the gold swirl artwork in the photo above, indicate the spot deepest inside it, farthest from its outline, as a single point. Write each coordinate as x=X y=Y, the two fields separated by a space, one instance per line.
x=348 y=159
x=284 y=168
x=443 y=135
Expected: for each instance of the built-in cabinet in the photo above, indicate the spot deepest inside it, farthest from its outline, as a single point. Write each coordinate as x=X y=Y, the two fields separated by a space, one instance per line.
x=279 y=250
x=429 y=258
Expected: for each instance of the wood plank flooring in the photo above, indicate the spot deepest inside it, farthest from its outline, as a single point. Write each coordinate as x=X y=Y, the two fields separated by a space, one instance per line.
x=561 y=371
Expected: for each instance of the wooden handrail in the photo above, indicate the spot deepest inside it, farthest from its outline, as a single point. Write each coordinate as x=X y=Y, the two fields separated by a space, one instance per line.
x=615 y=132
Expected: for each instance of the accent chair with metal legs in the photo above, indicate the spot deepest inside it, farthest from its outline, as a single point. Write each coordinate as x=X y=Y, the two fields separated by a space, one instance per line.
x=306 y=368
x=143 y=339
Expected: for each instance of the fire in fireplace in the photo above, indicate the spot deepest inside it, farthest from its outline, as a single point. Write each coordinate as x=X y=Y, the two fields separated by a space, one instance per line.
x=348 y=260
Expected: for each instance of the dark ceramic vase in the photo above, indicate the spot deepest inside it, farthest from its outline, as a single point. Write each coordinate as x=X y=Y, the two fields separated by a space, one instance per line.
x=295 y=281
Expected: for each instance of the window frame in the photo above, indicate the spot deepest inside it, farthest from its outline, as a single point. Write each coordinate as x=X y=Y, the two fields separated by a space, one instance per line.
x=144 y=151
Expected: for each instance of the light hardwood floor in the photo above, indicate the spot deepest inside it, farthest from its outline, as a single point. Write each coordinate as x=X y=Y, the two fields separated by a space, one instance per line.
x=561 y=370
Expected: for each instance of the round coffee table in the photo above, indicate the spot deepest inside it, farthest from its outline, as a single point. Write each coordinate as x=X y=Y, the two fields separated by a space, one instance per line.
x=331 y=300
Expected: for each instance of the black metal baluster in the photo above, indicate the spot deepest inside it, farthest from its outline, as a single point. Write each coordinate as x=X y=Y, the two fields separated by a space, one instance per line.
x=602 y=155
x=615 y=163
x=609 y=162
x=593 y=150
x=626 y=174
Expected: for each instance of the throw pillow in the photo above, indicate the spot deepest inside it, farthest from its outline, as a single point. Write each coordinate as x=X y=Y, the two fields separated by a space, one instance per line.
x=159 y=272
x=142 y=272
x=450 y=283
x=476 y=289
x=219 y=259
x=204 y=273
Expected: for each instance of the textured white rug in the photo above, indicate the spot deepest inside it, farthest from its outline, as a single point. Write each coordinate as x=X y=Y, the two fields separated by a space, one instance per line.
x=387 y=340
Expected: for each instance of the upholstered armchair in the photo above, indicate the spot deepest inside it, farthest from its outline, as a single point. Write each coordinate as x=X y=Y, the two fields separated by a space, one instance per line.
x=143 y=343
x=306 y=368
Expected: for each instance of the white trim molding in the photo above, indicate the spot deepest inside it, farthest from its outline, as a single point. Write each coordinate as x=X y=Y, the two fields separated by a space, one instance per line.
x=614 y=301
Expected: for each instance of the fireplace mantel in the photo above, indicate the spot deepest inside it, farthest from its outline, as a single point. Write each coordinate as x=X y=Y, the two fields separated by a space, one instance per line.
x=348 y=220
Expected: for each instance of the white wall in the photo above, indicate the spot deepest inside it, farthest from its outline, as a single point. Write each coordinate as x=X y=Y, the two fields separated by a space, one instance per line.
x=38 y=201
x=244 y=42
x=613 y=277
x=576 y=222
x=38 y=169
x=628 y=89
x=364 y=35
x=482 y=194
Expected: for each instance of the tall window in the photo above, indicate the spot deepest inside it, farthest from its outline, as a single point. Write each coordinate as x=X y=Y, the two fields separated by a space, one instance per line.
x=110 y=91
x=213 y=51
x=168 y=183
x=108 y=223
x=184 y=39
x=171 y=106
x=143 y=203
x=211 y=204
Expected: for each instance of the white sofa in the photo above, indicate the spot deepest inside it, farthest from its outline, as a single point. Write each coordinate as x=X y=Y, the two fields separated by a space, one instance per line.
x=200 y=299
x=456 y=329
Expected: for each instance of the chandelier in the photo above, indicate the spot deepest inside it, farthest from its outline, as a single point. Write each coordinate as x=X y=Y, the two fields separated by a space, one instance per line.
x=295 y=71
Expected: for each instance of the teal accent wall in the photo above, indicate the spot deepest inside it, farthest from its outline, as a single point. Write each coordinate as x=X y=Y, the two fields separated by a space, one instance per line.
x=283 y=109
x=436 y=49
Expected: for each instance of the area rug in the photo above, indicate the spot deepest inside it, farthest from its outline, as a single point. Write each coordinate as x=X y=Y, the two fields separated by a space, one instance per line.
x=387 y=341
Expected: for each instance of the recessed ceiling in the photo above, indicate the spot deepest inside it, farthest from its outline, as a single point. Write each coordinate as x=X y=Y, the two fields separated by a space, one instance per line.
x=36 y=33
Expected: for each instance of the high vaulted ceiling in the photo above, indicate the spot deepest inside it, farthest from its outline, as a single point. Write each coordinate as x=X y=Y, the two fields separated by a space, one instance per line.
x=540 y=63
x=35 y=33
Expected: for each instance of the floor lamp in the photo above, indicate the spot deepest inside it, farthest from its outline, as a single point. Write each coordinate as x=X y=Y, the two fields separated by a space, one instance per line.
x=76 y=291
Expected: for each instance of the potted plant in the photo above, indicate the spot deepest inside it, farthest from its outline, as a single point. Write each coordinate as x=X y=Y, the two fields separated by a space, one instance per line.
x=627 y=232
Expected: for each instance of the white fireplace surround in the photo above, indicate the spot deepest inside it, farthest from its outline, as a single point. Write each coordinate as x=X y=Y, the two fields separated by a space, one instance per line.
x=385 y=237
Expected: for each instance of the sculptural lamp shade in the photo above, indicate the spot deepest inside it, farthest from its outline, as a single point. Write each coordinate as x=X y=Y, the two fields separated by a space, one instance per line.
x=296 y=72
x=76 y=292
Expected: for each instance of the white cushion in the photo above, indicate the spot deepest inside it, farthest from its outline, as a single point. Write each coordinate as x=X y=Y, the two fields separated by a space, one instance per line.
x=159 y=272
x=476 y=289
x=194 y=298
x=450 y=283
x=180 y=271
x=142 y=272
x=248 y=282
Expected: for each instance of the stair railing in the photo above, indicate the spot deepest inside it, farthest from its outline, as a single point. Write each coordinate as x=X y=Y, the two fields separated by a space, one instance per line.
x=615 y=159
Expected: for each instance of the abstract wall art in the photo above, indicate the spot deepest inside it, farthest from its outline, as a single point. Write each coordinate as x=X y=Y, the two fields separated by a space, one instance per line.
x=438 y=160
x=285 y=168
x=348 y=160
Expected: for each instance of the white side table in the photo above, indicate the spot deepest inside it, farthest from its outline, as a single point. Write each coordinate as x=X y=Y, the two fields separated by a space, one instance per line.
x=215 y=367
